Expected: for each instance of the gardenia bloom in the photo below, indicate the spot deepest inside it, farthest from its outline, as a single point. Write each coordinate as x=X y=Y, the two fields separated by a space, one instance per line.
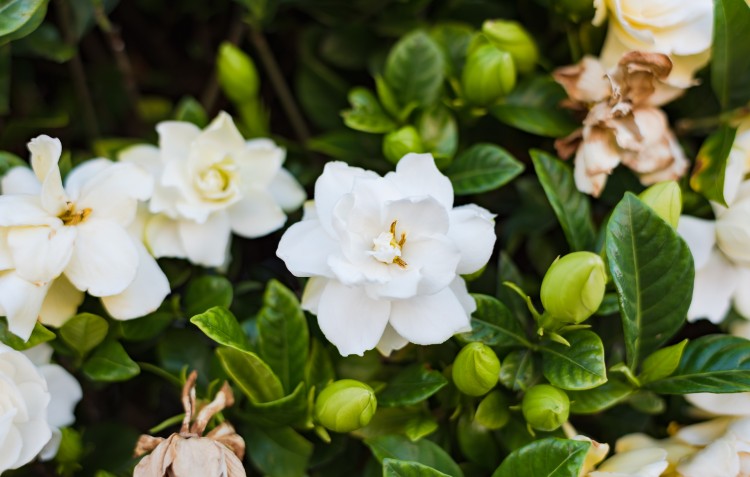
x=385 y=255
x=647 y=462
x=57 y=242
x=681 y=29
x=209 y=184
x=738 y=162
x=623 y=122
x=721 y=253
x=24 y=400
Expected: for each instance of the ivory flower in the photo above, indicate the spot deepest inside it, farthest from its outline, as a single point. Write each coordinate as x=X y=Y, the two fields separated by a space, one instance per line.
x=385 y=255
x=24 y=400
x=647 y=462
x=209 y=184
x=57 y=242
x=682 y=30
x=623 y=123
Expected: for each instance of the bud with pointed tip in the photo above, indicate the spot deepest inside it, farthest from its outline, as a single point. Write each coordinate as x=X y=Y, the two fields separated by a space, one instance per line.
x=489 y=74
x=493 y=411
x=345 y=405
x=510 y=36
x=237 y=74
x=545 y=407
x=401 y=142
x=666 y=200
x=476 y=369
x=573 y=287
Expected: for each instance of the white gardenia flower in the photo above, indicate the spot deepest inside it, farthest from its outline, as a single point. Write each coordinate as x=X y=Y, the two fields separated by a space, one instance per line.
x=24 y=400
x=385 y=255
x=57 y=242
x=681 y=29
x=647 y=462
x=209 y=184
x=65 y=393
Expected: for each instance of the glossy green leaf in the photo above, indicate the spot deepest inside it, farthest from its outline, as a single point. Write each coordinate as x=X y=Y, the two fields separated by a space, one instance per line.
x=730 y=62
x=414 y=69
x=578 y=366
x=39 y=335
x=653 y=271
x=571 y=207
x=539 y=121
x=477 y=443
x=453 y=38
x=413 y=422
x=494 y=325
x=493 y=411
x=319 y=369
x=481 y=168
x=84 y=332
x=180 y=350
x=599 y=399
x=147 y=327
x=711 y=164
x=284 y=339
x=403 y=468
x=709 y=364
x=550 y=457
x=289 y=410
x=251 y=374
x=423 y=451
x=190 y=110
x=411 y=385
x=661 y=363
x=366 y=114
x=220 y=325
x=420 y=426
x=45 y=42
x=206 y=292
x=278 y=452
x=110 y=363
x=519 y=371
x=439 y=132
x=20 y=15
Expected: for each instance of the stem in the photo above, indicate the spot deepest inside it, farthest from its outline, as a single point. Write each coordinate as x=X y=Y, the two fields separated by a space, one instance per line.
x=211 y=92
x=573 y=42
x=279 y=84
x=77 y=72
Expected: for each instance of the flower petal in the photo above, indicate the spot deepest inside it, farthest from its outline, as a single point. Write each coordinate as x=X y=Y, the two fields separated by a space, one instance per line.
x=256 y=215
x=715 y=284
x=430 y=319
x=222 y=134
x=162 y=237
x=312 y=293
x=417 y=175
x=350 y=319
x=24 y=210
x=175 y=138
x=21 y=180
x=286 y=191
x=104 y=260
x=391 y=341
x=145 y=156
x=114 y=192
x=206 y=244
x=417 y=217
x=700 y=236
x=80 y=175
x=61 y=303
x=718 y=459
x=473 y=231
x=40 y=254
x=45 y=154
x=259 y=162
x=436 y=258
x=741 y=299
x=704 y=433
x=305 y=248
x=641 y=462
x=65 y=393
x=336 y=180
x=737 y=404
x=20 y=302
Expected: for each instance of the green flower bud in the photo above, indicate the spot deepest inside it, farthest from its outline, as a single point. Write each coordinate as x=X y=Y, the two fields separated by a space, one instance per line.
x=545 y=407
x=493 y=411
x=476 y=369
x=666 y=200
x=573 y=287
x=345 y=405
x=510 y=36
x=237 y=74
x=398 y=143
x=489 y=74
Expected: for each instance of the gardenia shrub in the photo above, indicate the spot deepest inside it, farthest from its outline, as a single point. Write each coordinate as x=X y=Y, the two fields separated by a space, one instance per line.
x=466 y=238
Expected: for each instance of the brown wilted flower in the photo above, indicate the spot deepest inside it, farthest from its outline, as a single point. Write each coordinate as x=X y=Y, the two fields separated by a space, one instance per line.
x=188 y=453
x=623 y=122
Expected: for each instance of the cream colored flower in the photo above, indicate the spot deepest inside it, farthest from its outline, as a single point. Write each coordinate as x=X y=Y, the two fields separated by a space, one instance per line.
x=646 y=462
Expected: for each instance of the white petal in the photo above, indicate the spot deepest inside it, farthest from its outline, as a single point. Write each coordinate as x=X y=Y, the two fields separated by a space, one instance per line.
x=741 y=299
x=40 y=354
x=436 y=258
x=473 y=231
x=458 y=285
x=391 y=341
x=81 y=174
x=104 y=259
x=256 y=215
x=715 y=284
x=20 y=302
x=286 y=191
x=10 y=442
x=350 y=319
x=430 y=319
x=65 y=392
x=175 y=138
x=700 y=236
x=336 y=180
x=6 y=259
x=642 y=462
x=718 y=459
x=114 y=192
x=259 y=162
x=144 y=294
x=146 y=156
x=402 y=283
x=305 y=248
x=61 y=303
x=206 y=244
x=417 y=217
x=21 y=180
x=45 y=155
x=162 y=237
x=40 y=254
x=222 y=134
x=34 y=434
x=417 y=175
x=733 y=232
x=704 y=433
x=24 y=210
x=49 y=451
x=737 y=404
x=313 y=291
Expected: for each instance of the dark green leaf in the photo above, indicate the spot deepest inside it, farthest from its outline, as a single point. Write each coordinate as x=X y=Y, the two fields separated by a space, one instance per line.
x=647 y=257
x=84 y=332
x=412 y=422
x=571 y=207
x=730 y=62
x=147 y=327
x=403 y=468
x=289 y=410
x=662 y=363
x=45 y=42
x=414 y=69
x=319 y=367
x=110 y=363
x=453 y=40
x=251 y=374
x=423 y=451
x=578 y=366
x=709 y=364
x=18 y=16
x=599 y=399
x=190 y=110
x=411 y=386
x=220 y=325
x=4 y=88
x=206 y=292
x=518 y=371
x=39 y=335
x=534 y=120
x=494 y=325
x=284 y=340
x=551 y=457
x=366 y=114
x=278 y=452
x=481 y=168
x=476 y=443
x=711 y=164
x=438 y=130
x=180 y=350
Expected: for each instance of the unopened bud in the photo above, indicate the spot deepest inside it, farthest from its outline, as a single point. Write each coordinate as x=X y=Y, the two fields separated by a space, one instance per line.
x=489 y=74
x=237 y=74
x=510 y=36
x=573 y=287
x=545 y=407
x=493 y=411
x=345 y=405
x=399 y=143
x=666 y=200
x=476 y=369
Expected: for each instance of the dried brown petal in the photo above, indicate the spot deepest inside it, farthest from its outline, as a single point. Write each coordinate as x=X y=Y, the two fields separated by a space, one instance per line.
x=146 y=444
x=639 y=79
x=226 y=434
x=223 y=399
x=585 y=82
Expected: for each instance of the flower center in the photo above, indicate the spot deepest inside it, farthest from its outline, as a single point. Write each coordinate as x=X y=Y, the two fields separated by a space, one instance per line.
x=387 y=249
x=73 y=217
x=217 y=181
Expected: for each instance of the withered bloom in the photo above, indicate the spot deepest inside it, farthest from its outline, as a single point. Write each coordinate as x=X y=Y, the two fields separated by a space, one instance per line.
x=623 y=122
x=188 y=453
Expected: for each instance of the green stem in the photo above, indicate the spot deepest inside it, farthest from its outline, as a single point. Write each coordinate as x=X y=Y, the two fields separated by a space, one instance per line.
x=574 y=43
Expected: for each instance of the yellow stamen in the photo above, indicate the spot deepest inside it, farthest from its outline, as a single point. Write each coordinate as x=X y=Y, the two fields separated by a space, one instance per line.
x=401 y=241
x=71 y=217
